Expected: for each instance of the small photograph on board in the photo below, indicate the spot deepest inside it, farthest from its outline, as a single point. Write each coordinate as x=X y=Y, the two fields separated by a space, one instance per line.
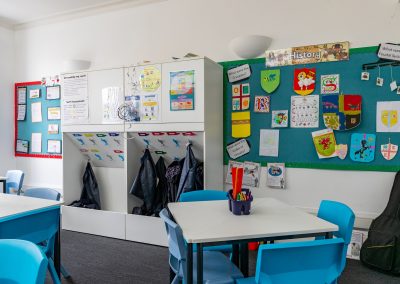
x=53 y=113
x=53 y=92
x=232 y=164
x=251 y=174
x=21 y=95
x=34 y=94
x=22 y=146
x=379 y=81
x=365 y=76
x=52 y=129
x=54 y=146
x=280 y=118
x=276 y=175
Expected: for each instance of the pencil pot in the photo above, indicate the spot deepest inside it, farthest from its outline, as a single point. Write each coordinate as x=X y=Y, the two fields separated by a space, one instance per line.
x=239 y=207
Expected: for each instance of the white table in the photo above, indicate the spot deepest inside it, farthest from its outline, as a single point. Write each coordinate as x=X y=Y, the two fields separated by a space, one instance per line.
x=16 y=207
x=211 y=223
x=4 y=181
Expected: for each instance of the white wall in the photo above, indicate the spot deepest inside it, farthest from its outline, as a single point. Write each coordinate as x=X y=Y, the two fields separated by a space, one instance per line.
x=7 y=160
x=174 y=27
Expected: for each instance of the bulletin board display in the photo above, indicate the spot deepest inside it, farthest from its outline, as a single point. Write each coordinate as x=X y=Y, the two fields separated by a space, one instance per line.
x=37 y=118
x=296 y=147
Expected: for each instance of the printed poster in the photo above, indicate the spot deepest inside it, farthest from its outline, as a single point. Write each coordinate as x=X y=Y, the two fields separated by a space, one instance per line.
x=330 y=84
x=325 y=143
x=182 y=90
x=276 y=175
x=232 y=164
x=150 y=79
x=280 y=118
x=269 y=142
x=111 y=100
x=251 y=174
x=304 y=111
x=387 y=116
x=75 y=99
x=149 y=108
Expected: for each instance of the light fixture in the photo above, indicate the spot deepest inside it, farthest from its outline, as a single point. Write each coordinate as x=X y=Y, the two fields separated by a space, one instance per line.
x=76 y=65
x=250 y=46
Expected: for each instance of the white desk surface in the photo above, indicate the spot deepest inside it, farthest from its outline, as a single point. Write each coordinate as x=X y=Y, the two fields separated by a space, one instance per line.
x=11 y=204
x=211 y=221
x=3 y=178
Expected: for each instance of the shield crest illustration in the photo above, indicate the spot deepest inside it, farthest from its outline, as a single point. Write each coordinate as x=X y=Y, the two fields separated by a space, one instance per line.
x=304 y=81
x=341 y=112
x=324 y=142
x=389 y=150
x=362 y=147
x=341 y=151
x=389 y=117
x=270 y=80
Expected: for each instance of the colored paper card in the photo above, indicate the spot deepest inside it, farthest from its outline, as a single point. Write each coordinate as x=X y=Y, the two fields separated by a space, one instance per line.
x=324 y=142
x=341 y=112
x=362 y=147
x=270 y=80
x=276 y=175
x=53 y=113
x=241 y=124
x=387 y=116
x=36 y=142
x=280 y=118
x=304 y=81
x=304 y=111
x=232 y=164
x=182 y=90
x=239 y=73
x=238 y=148
x=34 y=94
x=269 y=142
x=241 y=96
x=251 y=174
x=36 y=112
x=261 y=104
x=341 y=151
x=330 y=84
x=21 y=95
x=389 y=150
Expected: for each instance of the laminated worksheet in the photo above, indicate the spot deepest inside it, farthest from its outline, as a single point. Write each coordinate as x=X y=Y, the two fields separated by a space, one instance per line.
x=75 y=100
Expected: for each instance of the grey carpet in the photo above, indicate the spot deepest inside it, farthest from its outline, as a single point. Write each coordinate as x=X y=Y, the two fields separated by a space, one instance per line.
x=93 y=259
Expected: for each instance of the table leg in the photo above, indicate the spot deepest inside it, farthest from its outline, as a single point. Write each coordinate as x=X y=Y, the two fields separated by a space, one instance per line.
x=244 y=259
x=328 y=235
x=4 y=186
x=189 y=264
x=235 y=254
x=57 y=250
x=199 y=263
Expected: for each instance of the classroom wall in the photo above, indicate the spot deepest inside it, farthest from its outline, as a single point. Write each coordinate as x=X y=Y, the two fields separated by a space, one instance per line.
x=175 y=27
x=7 y=160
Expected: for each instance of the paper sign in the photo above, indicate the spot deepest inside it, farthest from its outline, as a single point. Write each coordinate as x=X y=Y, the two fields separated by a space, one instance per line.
x=53 y=92
x=251 y=174
x=22 y=146
x=229 y=172
x=276 y=175
x=36 y=112
x=34 y=94
x=21 y=95
x=52 y=129
x=75 y=100
x=239 y=73
x=269 y=142
x=238 y=149
x=36 y=141
x=389 y=51
x=21 y=112
x=53 y=113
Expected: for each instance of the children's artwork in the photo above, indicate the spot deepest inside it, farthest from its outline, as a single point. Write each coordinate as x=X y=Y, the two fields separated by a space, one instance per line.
x=324 y=142
x=365 y=76
x=341 y=151
x=229 y=171
x=276 y=175
x=269 y=142
x=261 y=104
x=393 y=86
x=53 y=92
x=53 y=113
x=251 y=174
x=54 y=146
x=330 y=84
x=21 y=112
x=241 y=96
x=182 y=90
x=304 y=81
x=34 y=94
x=341 y=112
x=362 y=147
x=387 y=114
x=389 y=150
x=304 y=111
x=270 y=80
x=280 y=118
x=150 y=79
x=22 y=146
x=379 y=81
x=149 y=108
x=241 y=124
x=52 y=129
x=239 y=73
x=238 y=148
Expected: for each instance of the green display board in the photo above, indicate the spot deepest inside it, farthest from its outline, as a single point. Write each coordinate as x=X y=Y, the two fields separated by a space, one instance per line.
x=296 y=148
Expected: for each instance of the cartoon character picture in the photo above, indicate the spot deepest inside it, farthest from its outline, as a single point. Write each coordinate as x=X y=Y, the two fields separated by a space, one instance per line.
x=304 y=81
x=362 y=147
x=280 y=118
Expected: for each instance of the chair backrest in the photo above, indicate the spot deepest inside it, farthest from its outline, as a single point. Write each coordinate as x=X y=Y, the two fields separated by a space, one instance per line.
x=31 y=262
x=203 y=195
x=44 y=193
x=15 y=179
x=176 y=243
x=299 y=262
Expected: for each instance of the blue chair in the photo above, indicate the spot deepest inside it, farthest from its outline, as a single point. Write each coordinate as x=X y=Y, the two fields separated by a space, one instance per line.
x=15 y=179
x=298 y=262
x=216 y=266
x=207 y=195
x=22 y=262
x=341 y=215
x=48 y=246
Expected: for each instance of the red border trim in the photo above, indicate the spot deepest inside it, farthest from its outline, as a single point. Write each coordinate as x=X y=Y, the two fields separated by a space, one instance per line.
x=48 y=156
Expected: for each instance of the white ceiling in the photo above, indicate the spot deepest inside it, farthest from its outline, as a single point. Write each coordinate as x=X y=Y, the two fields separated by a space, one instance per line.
x=14 y=13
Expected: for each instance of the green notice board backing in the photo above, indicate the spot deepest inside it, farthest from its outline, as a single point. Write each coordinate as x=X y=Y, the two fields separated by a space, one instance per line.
x=296 y=147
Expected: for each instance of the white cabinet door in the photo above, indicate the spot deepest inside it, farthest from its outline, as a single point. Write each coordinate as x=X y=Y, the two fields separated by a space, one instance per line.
x=180 y=102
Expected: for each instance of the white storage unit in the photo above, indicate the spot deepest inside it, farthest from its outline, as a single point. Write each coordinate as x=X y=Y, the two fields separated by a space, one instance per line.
x=201 y=126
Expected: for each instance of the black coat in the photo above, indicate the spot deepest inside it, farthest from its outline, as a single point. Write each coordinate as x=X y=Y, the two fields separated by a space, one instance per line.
x=188 y=177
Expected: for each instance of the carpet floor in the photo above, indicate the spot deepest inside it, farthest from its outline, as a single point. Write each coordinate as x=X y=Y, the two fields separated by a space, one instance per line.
x=93 y=259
